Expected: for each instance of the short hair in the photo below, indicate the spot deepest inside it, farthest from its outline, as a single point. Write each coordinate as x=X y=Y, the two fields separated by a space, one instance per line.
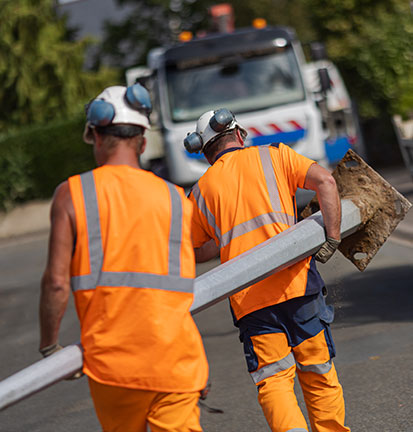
x=219 y=143
x=120 y=130
x=113 y=133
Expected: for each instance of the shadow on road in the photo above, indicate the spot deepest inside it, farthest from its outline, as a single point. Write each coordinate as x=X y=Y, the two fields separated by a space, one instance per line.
x=374 y=296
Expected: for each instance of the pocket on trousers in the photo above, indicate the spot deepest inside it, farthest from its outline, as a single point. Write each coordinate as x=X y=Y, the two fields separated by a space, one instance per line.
x=307 y=311
x=325 y=312
x=326 y=316
x=250 y=356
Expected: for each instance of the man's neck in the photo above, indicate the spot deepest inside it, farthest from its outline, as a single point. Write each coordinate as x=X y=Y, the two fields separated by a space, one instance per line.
x=234 y=145
x=123 y=155
x=123 y=161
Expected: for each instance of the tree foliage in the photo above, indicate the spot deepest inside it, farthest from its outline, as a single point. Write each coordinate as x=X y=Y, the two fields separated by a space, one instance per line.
x=372 y=43
x=158 y=22
x=151 y=23
x=291 y=13
x=370 y=40
x=41 y=70
x=35 y=159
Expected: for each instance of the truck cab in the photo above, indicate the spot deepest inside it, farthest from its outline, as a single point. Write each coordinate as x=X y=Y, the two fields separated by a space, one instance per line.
x=259 y=74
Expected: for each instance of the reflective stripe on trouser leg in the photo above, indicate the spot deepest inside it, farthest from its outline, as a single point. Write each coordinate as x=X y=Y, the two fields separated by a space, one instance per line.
x=323 y=396
x=273 y=368
x=322 y=392
x=279 y=403
x=275 y=380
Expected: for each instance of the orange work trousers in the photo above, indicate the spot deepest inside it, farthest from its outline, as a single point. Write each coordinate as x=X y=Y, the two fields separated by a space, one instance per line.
x=121 y=409
x=322 y=392
x=288 y=339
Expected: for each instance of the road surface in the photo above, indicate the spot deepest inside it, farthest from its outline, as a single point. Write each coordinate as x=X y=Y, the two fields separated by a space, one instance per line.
x=373 y=333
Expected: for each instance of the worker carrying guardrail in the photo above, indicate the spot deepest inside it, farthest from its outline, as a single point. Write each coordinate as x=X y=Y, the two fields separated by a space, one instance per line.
x=246 y=197
x=120 y=238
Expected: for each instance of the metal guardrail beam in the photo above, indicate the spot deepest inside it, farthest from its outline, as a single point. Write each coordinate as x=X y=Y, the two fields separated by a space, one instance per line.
x=40 y=375
x=277 y=253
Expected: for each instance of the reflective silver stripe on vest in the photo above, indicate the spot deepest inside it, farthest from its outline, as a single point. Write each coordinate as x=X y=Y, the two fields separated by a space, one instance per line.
x=175 y=231
x=320 y=369
x=297 y=430
x=273 y=368
x=172 y=281
x=134 y=280
x=271 y=181
x=93 y=227
x=269 y=174
x=205 y=210
x=252 y=224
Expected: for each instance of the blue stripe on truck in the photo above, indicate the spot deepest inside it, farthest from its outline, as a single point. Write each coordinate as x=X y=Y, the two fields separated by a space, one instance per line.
x=284 y=137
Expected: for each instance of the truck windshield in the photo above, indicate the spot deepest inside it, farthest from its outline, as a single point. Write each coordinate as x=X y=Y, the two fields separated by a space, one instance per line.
x=241 y=85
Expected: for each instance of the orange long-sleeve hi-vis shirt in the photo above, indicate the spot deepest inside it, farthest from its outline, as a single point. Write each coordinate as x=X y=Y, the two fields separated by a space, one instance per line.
x=246 y=197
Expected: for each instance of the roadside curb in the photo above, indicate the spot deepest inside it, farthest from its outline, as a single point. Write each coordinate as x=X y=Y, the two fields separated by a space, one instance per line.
x=32 y=219
x=25 y=219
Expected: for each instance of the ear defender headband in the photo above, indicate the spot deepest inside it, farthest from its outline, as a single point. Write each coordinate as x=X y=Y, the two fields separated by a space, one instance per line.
x=100 y=112
x=219 y=122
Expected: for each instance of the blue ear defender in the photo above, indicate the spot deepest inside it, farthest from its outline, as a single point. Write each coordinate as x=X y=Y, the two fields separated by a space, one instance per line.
x=138 y=98
x=100 y=113
x=193 y=142
x=221 y=119
x=219 y=123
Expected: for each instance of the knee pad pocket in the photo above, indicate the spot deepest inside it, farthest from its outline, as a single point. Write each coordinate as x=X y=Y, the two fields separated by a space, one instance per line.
x=250 y=356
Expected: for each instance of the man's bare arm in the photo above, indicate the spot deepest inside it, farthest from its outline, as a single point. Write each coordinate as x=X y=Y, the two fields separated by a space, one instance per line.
x=55 y=285
x=206 y=252
x=322 y=182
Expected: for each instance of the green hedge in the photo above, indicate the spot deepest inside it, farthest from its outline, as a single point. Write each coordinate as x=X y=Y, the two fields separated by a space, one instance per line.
x=35 y=160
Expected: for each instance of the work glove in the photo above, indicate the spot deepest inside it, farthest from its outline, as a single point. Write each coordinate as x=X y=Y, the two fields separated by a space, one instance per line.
x=326 y=250
x=51 y=349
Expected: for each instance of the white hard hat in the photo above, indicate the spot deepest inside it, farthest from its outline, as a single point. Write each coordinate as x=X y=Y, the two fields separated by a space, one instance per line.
x=211 y=125
x=118 y=105
x=204 y=129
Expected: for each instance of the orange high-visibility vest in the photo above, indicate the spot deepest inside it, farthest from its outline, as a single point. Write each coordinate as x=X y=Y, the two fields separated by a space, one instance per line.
x=132 y=276
x=246 y=197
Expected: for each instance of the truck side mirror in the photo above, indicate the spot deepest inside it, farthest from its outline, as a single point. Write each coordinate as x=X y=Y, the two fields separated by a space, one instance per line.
x=324 y=78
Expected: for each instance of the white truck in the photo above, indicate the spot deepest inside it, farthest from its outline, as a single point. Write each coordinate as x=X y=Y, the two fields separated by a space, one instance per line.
x=259 y=74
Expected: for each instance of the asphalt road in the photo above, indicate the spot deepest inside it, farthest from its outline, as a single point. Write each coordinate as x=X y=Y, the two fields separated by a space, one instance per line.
x=373 y=333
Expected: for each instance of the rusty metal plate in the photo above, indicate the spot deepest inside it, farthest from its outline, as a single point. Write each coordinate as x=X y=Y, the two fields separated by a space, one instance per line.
x=381 y=206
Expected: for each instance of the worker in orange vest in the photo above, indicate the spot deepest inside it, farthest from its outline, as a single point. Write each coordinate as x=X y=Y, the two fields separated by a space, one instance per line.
x=120 y=238
x=246 y=197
